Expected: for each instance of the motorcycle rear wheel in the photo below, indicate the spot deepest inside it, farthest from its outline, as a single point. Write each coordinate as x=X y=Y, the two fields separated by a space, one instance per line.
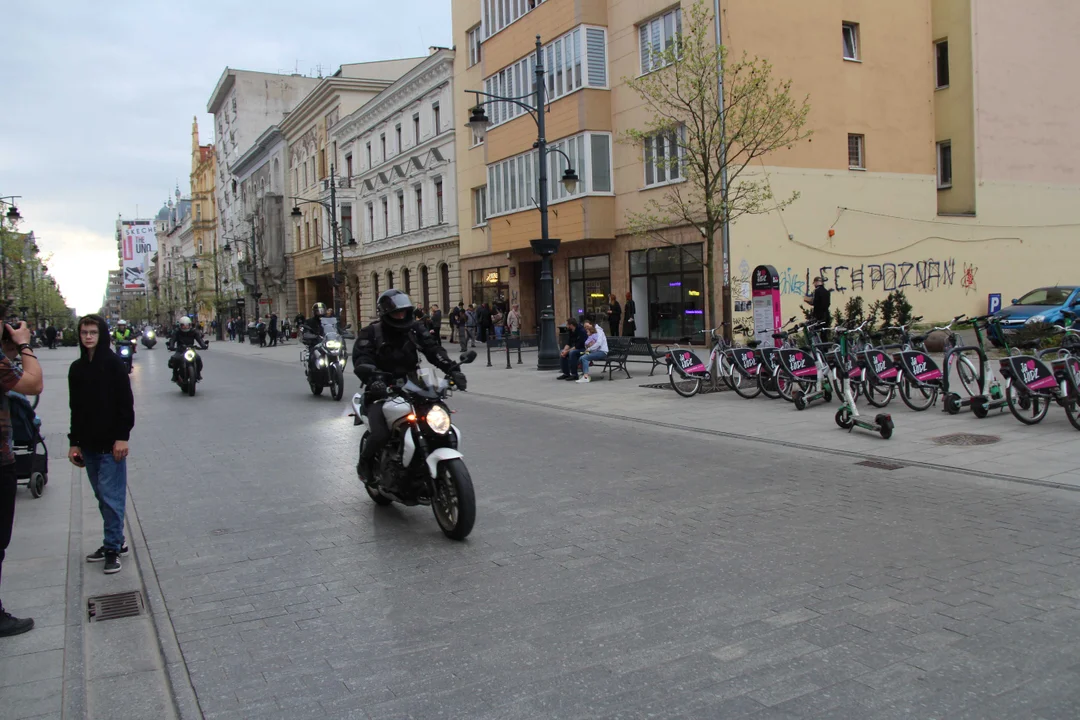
x=454 y=501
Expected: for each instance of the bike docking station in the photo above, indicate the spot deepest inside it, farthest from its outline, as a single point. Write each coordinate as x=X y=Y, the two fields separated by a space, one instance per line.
x=765 y=303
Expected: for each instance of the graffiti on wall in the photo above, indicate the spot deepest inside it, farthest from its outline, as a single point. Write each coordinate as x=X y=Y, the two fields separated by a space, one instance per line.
x=925 y=275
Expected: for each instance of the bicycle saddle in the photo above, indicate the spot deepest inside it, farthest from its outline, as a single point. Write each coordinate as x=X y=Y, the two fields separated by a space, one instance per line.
x=753 y=344
x=918 y=339
x=780 y=335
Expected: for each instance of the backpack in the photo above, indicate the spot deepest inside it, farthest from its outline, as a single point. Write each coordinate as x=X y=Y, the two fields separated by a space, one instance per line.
x=24 y=422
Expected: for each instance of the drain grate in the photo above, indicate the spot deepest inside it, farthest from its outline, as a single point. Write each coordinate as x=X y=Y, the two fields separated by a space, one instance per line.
x=117 y=605
x=881 y=464
x=706 y=388
x=966 y=439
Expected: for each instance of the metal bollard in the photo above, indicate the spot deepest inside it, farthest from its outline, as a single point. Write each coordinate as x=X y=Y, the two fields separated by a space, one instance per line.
x=507 y=345
x=519 y=342
x=488 y=344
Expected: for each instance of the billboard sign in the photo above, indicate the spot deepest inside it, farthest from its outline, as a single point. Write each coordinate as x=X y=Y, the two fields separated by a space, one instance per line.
x=138 y=243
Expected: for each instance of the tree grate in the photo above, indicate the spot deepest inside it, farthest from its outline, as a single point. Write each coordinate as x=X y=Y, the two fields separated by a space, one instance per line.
x=706 y=388
x=966 y=439
x=881 y=464
x=116 y=605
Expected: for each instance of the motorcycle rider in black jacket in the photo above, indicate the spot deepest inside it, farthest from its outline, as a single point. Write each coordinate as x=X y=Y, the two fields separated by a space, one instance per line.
x=392 y=344
x=312 y=332
x=185 y=336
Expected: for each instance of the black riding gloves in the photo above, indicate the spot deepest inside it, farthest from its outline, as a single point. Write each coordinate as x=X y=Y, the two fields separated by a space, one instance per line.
x=377 y=389
x=458 y=378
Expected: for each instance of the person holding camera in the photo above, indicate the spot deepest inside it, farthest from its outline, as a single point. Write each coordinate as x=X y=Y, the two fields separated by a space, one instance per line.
x=102 y=416
x=28 y=381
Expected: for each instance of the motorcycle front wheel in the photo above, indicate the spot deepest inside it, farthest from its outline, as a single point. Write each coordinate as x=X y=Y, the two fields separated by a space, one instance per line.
x=337 y=383
x=316 y=389
x=454 y=501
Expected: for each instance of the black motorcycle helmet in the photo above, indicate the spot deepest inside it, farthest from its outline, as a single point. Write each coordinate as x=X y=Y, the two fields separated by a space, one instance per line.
x=395 y=309
x=318 y=310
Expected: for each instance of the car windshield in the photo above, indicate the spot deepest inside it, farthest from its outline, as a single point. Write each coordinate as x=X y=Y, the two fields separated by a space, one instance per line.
x=1047 y=296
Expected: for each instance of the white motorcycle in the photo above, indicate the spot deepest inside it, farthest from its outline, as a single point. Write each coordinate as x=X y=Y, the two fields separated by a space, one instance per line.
x=420 y=463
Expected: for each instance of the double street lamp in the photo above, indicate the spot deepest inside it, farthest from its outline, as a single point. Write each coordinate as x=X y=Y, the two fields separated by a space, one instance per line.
x=13 y=216
x=545 y=247
x=330 y=207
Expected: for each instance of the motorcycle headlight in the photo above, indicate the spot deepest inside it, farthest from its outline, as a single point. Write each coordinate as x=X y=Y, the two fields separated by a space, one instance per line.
x=438 y=420
x=1036 y=319
x=322 y=362
x=189 y=355
x=333 y=344
x=150 y=335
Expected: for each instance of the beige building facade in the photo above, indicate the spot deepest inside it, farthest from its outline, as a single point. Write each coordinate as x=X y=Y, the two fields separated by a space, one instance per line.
x=879 y=209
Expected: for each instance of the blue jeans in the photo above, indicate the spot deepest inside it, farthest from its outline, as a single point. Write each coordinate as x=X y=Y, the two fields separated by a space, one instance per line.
x=109 y=480
x=498 y=332
x=569 y=362
x=592 y=356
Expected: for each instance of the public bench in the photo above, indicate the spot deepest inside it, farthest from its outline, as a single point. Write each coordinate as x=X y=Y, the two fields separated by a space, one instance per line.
x=623 y=350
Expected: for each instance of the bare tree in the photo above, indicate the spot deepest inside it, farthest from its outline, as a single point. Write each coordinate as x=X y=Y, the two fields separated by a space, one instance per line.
x=701 y=145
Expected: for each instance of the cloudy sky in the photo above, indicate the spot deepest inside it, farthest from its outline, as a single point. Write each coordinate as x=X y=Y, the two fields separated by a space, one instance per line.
x=98 y=100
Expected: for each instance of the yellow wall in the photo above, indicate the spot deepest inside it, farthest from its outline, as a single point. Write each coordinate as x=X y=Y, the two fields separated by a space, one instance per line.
x=954 y=106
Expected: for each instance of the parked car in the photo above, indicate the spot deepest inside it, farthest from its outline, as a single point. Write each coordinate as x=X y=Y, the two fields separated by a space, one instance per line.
x=1038 y=306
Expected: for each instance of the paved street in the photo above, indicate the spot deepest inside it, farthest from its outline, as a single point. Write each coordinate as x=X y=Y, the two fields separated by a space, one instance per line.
x=617 y=569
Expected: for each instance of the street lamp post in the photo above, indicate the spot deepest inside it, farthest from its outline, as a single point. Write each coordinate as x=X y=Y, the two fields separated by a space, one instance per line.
x=545 y=247
x=253 y=248
x=330 y=207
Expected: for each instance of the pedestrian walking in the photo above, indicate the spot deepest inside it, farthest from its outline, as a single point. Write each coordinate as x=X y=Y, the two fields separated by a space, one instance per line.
x=16 y=343
x=50 y=336
x=470 y=326
x=273 y=329
x=436 y=322
x=102 y=416
x=513 y=321
x=630 y=323
x=614 y=314
x=497 y=318
x=483 y=322
x=454 y=312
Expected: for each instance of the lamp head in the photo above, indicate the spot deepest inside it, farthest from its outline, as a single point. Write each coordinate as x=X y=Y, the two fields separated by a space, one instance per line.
x=570 y=180
x=13 y=214
x=478 y=121
x=296 y=212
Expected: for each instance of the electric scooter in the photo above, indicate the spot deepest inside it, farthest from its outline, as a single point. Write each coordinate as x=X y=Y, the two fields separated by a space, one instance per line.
x=991 y=395
x=810 y=371
x=847 y=417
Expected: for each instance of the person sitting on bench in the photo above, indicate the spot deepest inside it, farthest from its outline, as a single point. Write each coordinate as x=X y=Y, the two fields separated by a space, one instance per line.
x=575 y=345
x=596 y=348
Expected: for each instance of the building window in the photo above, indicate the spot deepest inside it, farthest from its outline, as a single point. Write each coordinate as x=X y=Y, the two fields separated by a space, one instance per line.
x=856 y=152
x=656 y=37
x=322 y=162
x=479 y=203
x=491 y=285
x=436 y=118
x=368 y=147
x=416 y=128
x=664 y=157
x=371 y=221
x=307 y=234
x=575 y=60
x=668 y=284
x=397 y=134
x=348 y=166
x=401 y=211
x=419 y=190
x=375 y=285
x=382 y=147
x=941 y=56
x=473 y=41
x=296 y=180
x=316 y=239
x=500 y=13
x=424 y=289
x=512 y=183
x=405 y=283
x=386 y=216
x=944 y=165
x=296 y=238
x=590 y=286
x=389 y=279
x=346 y=223
x=444 y=288
x=439 y=202
x=851 y=41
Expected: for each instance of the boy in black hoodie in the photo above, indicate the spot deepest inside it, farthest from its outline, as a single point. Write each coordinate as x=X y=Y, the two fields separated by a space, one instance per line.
x=102 y=415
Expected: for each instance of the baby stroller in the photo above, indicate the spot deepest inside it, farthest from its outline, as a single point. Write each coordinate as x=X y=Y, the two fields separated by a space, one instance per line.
x=31 y=453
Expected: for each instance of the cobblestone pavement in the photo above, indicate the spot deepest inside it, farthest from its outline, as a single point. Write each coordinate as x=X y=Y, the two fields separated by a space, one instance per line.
x=616 y=570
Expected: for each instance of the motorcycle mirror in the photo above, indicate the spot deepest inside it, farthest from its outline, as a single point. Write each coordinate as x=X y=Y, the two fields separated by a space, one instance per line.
x=467 y=357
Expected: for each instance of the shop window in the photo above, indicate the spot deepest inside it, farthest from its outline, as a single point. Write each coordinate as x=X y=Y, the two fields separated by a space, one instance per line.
x=590 y=286
x=668 y=287
x=490 y=285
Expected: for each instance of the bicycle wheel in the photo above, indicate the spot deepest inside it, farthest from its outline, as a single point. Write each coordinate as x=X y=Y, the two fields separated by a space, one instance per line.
x=1072 y=410
x=743 y=386
x=767 y=382
x=785 y=384
x=1027 y=408
x=683 y=384
x=879 y=394
x=915 y=396
x=969 y=375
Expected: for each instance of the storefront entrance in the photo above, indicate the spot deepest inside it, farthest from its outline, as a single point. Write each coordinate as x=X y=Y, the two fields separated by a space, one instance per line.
x=668 y=287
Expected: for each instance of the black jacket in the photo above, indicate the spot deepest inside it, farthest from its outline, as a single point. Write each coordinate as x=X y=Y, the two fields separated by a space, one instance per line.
x=397 y=351
x=577 y=337
x=99 y=393
x=188 y=338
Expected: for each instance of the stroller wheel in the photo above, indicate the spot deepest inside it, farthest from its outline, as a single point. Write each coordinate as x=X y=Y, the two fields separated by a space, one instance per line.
x=36 y=484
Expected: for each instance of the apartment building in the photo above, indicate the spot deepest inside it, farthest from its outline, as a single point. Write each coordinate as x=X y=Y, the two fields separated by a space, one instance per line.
x=397 y=201
x=947 y=191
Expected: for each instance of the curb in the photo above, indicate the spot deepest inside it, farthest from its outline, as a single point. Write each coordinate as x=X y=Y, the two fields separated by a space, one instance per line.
x=797 y=446
x=181 y=691
x=73 y=703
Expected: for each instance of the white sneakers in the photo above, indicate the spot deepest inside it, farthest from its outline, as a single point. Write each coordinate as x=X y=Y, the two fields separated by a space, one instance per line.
x=583 y=379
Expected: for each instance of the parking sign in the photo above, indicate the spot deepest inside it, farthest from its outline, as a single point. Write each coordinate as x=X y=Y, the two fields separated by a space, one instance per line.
x=993 y=303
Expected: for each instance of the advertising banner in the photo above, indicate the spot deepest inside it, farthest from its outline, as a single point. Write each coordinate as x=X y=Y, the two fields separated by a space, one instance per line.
x=139 y=243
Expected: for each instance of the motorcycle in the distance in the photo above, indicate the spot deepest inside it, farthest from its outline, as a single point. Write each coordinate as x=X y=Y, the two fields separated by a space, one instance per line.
x=421 y=463
x=328 y=357
x=126 y=350
x=149 y=338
